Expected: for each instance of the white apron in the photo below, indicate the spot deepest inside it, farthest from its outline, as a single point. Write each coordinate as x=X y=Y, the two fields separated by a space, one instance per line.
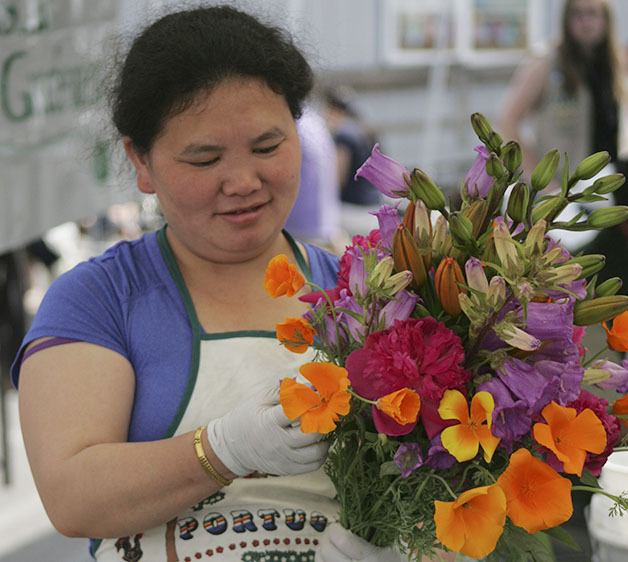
x=272 y=519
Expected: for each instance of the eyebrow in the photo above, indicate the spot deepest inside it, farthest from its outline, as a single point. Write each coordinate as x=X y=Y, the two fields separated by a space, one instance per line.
x=201 y=148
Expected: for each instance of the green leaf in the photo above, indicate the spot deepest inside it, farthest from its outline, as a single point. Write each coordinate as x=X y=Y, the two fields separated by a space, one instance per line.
x=589 y=480
x=389 y=469
x=561 y=535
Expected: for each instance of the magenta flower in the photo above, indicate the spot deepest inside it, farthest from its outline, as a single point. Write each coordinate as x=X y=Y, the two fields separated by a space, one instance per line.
x=389 y=219
x=421 y=354
x=477 y=182
x=408 y=458
x=386 y=174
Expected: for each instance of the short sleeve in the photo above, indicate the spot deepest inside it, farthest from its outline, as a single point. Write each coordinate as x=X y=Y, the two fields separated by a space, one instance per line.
x=83 y=304
x=324 y=266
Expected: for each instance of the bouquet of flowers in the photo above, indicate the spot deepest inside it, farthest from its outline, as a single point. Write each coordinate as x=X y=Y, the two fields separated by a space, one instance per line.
x=449 y=372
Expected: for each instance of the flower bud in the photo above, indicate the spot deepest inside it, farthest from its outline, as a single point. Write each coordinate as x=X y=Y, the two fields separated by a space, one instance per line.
x=461 y=229
x=607 y=217
x=518 y=202
x=608 y=184
x=591 y=263
x=545 y=170
x=446 y=281
x=407 y=257
x=564 y=274
x=511 y=156
x=609 y=287
x=381 y=272
x=548 y=209
x=516 y=337
x=496 y=292
x=494 y=166
x=477 y=181
x=476 y=278
x=599 y=309
x=441 y=243
x=423 y=188
x=534 y=244
x=476 y=212
x=506 y=248
x=397 y=282
x=481 y=126
x=591 y=166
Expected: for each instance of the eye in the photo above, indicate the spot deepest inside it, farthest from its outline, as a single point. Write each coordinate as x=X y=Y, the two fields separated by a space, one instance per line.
x=205 y=163
x=267 y=149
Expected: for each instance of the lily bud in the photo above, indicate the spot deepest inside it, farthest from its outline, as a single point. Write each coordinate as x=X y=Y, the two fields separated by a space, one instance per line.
x=591 y=263
x=446 y=281
x=511 y=156
x=423 y=188
x=591 y=166
x=548 y=209
x=422 y=225
x=461 y=229
x=545 y=170
x=441 y=243
x=476 y=278
x=381 y=272
x=608 y=184
x=506 y=248
x=609 y=287
x=564 y=274
x=599 y=309
x=407 y=257
x=476 y=212
x=608 y=216
x=494 y=166
x=397 y=282
x=518 y=202
x=516 y=337
x=481 y=126
x=496 y=292
x=534 y=244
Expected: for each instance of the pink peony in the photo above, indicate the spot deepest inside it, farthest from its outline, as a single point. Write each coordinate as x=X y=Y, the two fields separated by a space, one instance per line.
x=421 y=354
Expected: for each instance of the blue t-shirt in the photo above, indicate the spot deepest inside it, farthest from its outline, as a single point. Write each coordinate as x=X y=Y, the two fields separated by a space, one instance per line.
x=131 y=299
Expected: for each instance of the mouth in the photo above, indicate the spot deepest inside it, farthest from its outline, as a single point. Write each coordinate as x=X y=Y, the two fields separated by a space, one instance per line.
x=244 y=210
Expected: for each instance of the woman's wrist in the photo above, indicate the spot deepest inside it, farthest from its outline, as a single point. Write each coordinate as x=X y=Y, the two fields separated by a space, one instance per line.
x=212 y=465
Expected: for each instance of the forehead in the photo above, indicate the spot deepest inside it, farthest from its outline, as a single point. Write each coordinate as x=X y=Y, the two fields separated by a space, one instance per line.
x=587 y=5
x=236 y=106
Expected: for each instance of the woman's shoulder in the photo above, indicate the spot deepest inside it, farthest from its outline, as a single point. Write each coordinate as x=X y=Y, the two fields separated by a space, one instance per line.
x=323 y=265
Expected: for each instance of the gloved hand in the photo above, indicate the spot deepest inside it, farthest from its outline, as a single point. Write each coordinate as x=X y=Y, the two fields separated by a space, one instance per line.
x=257 y=436
x=339 y=545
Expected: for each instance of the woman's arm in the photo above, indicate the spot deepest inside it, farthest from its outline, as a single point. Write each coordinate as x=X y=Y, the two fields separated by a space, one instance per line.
x=524 y=93
x=75 y=407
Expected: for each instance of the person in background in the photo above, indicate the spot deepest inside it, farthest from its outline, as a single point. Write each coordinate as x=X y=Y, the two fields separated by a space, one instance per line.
x=572 y=99
x=353 y=146
x=315 y=216
x=148 y=381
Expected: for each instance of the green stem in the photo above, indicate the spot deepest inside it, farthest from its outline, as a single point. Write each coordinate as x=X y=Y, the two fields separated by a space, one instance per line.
x=589 y=361
x=593 y=490
x=361 y=398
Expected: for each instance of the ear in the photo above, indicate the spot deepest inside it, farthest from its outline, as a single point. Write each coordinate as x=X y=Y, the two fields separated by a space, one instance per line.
x=141 y=164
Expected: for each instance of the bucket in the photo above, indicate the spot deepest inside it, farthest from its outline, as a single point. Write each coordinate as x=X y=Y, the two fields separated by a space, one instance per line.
x=609 y=535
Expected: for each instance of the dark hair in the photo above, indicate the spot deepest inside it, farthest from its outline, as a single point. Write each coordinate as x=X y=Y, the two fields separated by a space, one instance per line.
x=605 y=55
x=190 y=51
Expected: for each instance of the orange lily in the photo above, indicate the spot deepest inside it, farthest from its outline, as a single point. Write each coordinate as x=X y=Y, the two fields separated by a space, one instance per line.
x=464 y=439
x=570 y=436
x=402 y=405
x=617 y=336
x=321 y=408
x=537 y=496
x=296 y=334
x=448 y=275
x=473 y=523
x=620 y=408
x=282 y=277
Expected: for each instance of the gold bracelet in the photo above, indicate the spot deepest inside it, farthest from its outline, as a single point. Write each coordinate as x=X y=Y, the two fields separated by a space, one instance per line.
x=200 y=454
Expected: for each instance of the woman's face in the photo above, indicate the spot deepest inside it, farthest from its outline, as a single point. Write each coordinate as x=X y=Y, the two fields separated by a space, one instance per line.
x=226 y=171
x=587 y=22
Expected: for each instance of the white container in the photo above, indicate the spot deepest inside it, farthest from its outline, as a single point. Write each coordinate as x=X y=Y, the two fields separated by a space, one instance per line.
x=609 y=535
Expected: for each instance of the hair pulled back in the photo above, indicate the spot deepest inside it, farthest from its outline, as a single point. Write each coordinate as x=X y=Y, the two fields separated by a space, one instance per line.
x=191 y=51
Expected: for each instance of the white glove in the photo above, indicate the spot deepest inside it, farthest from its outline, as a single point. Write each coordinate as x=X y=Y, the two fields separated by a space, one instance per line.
x=339 y=545
x=257 y=436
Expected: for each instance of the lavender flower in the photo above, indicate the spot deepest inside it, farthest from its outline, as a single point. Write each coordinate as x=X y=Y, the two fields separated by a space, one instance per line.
x=408 y=458
x=511 y=416
x=386 y=174
x=389 y=219
x=617 y=375
x=438 y=457
x=354 y=326
x=399 y=308
x=477 y=182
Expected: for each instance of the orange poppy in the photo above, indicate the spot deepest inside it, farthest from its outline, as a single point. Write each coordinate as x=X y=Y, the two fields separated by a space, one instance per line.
x=473 y=523
x=402 y=405
x=570 y=436
x=447 y=278
x=319 y=408
x=282 y=277
x=617 y=336
x=620 y=408
x=464 y=439
x=537 y=496
x=296 y=334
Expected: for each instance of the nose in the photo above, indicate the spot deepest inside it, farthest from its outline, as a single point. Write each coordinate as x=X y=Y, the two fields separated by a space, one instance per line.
x=241 y=178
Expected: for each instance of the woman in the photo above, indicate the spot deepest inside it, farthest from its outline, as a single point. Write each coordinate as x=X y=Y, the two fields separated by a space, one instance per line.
x=148 y=381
